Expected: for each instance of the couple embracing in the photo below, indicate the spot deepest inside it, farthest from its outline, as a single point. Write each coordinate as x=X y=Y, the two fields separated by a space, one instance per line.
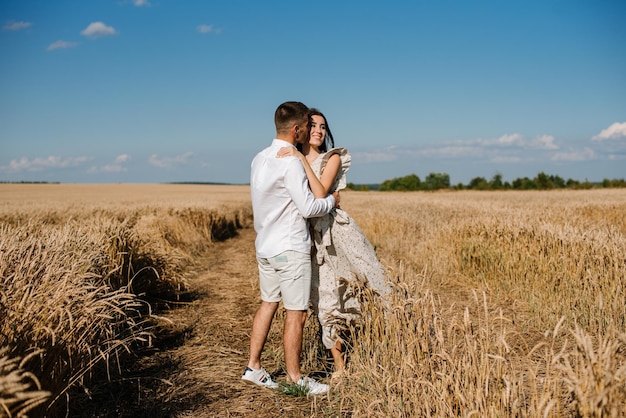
x=295 y=185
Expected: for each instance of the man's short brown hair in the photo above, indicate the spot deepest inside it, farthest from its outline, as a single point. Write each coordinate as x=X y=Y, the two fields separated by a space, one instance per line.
x=288 y=114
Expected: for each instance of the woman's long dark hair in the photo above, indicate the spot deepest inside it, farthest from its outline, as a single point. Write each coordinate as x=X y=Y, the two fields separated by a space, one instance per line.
x=329 y=141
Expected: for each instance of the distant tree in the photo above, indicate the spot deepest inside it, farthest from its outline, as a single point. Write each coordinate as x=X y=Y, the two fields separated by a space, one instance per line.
x=357 y=187
x=586 y=185
x=406 y=183
x=614 y=183
x=496 y=182
x=524 y=184
x=478 y=183
x=557 y=181
x=436 y=181
x=410 y=182
x=543 y=181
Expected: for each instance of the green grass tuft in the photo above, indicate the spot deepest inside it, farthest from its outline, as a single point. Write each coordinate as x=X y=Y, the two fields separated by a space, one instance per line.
x=291 y=389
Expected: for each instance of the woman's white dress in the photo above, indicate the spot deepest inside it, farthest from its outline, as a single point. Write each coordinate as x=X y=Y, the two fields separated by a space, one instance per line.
x=342 y=255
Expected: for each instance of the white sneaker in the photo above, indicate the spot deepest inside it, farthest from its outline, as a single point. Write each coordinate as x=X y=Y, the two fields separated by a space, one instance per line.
x=312 y=386
x=259 y=377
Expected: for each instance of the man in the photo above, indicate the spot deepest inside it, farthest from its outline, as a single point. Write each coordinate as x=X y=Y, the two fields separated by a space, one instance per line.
x=281 y=202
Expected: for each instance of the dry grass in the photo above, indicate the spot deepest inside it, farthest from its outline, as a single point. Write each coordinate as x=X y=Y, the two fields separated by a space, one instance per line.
x=80 y=273
x=20 y=390
x=504 y=303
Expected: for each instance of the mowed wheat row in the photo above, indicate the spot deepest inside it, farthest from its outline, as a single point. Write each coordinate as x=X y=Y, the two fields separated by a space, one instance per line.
x=504 y=303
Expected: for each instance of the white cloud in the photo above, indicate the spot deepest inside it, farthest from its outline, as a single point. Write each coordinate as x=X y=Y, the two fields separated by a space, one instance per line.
x=41 y=163
x=504 y=140
x=168 y=162
x=15 y=26
x=113 y=168
x=208 y=29
x=98 y=30
x=382 y=156
x=481 y=147
x=498 y=149
x=544 y=142
x=122 y=158
x=505 y=149
x=117 y=165
x=452 y=151
x=61 y=45
x=574 y=155
x=617 y=130
x=509 y=139
x=503 y=159
x=205 y=28
x=140 y=3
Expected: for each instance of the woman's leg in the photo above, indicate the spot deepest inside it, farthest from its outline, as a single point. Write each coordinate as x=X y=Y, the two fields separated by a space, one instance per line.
x=337 y=352
x=325 y=300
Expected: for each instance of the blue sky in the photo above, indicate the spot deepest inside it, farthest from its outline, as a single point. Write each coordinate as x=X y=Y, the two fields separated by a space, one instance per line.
x=151 y=91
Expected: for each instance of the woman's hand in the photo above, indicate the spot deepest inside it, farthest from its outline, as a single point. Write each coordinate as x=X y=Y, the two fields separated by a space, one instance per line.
x=289 y=151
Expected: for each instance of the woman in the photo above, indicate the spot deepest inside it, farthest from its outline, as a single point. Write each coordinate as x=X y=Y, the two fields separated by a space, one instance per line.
x=342 y=252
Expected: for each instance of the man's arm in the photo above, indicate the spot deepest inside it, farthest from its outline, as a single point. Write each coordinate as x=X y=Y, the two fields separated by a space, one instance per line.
x=298 y=187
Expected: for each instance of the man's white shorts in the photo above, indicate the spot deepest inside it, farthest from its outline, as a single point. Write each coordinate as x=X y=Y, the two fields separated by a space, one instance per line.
x=287 y=274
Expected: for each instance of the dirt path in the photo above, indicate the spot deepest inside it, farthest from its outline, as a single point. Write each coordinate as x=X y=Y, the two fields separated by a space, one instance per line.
x=195 y=366
x=196 y=369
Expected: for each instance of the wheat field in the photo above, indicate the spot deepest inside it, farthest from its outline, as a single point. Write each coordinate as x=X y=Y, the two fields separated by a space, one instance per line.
x=82 y=269
x=507 y=304
x=504 y=303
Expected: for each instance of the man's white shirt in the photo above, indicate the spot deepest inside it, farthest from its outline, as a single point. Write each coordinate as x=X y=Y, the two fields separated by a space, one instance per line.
x=281 y=200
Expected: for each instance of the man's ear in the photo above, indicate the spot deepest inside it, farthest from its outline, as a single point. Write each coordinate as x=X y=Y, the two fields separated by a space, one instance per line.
x=295 y=129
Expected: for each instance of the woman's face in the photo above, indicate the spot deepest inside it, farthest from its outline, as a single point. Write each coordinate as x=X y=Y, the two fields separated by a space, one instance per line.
x=318 y=131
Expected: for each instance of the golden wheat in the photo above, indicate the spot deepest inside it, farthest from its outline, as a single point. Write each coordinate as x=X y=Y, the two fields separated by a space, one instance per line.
x=536 y=261
x=76 y=276
x=20 y=390
x=504 y=303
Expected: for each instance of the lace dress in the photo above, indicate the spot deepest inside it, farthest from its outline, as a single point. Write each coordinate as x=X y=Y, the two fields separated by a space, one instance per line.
x=342 y=255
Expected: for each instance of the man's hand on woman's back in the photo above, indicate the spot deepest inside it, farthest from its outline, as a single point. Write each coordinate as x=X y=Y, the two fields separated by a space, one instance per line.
x=337 y=199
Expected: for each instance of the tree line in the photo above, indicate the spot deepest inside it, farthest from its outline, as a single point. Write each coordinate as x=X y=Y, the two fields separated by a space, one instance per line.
x=439 y=181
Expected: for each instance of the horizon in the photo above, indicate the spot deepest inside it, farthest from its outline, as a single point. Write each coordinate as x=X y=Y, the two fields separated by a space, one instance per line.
x=422 y=179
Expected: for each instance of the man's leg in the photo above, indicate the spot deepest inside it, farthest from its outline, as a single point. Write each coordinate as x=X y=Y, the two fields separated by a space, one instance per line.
x=295 y=270
x=292 y=341
x=260 y=328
